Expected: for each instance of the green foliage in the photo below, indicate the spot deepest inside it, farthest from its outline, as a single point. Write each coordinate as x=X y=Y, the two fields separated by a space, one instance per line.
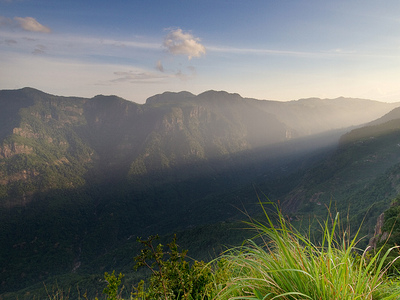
x=64 y=185
x=287 y=265
x=361 y=177
x=172 y=277
x=113 y=285
x=278 y=263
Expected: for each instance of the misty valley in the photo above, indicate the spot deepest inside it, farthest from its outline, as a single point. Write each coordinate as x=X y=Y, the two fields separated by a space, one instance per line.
x=81 y=179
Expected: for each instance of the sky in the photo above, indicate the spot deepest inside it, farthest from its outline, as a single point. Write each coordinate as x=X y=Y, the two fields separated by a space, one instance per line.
x=270 y=49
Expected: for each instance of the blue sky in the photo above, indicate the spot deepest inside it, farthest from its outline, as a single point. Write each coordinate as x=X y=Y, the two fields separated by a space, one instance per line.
x=271 y=49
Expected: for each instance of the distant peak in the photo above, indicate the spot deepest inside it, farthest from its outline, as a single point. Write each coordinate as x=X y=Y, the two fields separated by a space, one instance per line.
x=309 y=99
x=169 y=97
x=100 y=96
x=32 y=90
x=214 y=92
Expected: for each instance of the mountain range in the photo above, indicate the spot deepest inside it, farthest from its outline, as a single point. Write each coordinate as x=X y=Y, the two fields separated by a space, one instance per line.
x=80 y=177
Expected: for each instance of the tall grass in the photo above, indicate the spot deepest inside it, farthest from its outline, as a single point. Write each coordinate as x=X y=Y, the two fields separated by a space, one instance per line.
x=288 y=265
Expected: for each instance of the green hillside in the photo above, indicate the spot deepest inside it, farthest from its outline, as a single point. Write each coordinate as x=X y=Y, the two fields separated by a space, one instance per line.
x=361 y=177
x=80 y=179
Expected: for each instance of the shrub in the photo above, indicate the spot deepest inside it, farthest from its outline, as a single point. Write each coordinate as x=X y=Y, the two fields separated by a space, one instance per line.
x=113 y=285
x=172 y=277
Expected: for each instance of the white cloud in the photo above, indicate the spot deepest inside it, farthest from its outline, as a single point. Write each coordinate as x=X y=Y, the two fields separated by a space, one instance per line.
x=178 y=42
x=27 y=24
x=30 y=24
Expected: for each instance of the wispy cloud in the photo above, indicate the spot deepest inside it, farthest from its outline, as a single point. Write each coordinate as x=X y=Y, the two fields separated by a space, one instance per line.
x=78 y=46
x=5 y=22
x=178 y=42
x=10 y=42
x=159 y=66
x=337 y=52
x=30 y=24
x=186 y=76
x=126 y=43
x=27 y=24
x=40 y=49
x=137 y=77
x=66 y=76
x=235 y=50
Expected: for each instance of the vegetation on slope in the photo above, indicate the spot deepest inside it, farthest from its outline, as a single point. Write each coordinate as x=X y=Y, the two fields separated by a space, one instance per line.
x=278 y=263
x=289 y=265
x=360 y=177
x=80 y=177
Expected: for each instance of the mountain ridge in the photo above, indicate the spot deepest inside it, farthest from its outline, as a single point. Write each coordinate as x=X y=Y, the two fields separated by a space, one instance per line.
x=79 y=176
x=72 y=131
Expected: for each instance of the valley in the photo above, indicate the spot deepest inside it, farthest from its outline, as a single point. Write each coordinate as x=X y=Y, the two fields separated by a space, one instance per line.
x=81 y=178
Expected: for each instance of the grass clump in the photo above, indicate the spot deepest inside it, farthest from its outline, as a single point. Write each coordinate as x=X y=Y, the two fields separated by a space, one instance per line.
x=288 y=265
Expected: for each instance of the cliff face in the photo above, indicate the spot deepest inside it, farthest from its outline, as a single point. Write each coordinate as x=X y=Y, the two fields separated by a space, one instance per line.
x=378 y=236
x=50 y=142
x=43 y=150
x=80 y=176
x=9 y=150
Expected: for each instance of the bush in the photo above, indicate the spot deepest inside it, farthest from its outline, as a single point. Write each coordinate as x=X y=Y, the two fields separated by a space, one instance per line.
x=172 y=277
